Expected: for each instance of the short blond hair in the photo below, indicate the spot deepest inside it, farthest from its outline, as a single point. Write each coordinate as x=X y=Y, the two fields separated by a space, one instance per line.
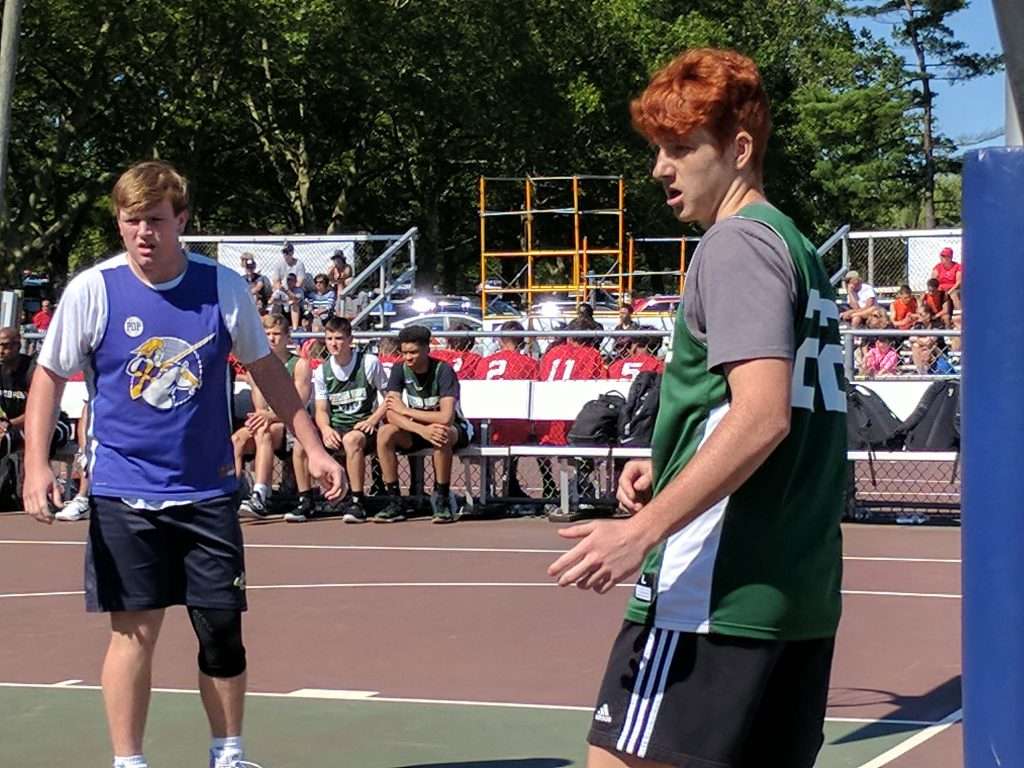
x=276 y=321
x=148 y=184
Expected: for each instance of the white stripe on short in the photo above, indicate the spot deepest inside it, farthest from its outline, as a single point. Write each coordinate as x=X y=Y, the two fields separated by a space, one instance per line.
x=648 y=690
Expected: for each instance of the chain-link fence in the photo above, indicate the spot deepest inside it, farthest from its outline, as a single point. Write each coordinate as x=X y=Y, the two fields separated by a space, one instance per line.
x=901 y=477
x=889 y=259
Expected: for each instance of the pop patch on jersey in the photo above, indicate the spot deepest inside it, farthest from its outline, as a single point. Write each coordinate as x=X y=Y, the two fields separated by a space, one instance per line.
x=644 y=589
x=165 y=371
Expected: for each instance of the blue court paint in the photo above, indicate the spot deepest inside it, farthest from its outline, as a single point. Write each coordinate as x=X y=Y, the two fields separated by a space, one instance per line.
x=993 y=458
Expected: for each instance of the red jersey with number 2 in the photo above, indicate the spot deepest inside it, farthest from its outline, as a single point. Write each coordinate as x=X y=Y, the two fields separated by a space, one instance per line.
x=567 y=362
x=508 y=365
x=464 y=363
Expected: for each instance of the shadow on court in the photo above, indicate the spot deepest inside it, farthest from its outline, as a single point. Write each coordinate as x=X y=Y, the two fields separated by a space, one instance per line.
x=931 y=706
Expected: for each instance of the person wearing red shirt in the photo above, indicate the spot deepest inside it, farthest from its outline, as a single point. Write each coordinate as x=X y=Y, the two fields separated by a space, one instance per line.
x=950 y=275
x=903 y=310
x=570 y=360
x=639 y=359
x=937 y=301
x=388 y=353
x=41 y=319
x=509 y=364
x=459 y=354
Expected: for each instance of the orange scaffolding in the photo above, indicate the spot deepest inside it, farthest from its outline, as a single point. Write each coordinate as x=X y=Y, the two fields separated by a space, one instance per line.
x=578 y=258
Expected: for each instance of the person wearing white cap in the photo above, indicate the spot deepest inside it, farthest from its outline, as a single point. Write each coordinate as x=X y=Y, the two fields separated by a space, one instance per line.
x=861 y=300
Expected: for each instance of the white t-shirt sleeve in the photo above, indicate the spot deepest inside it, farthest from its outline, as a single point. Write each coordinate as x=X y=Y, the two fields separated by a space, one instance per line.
x=78 y=325
x=866 y=292
x=241 y=317
x=319 y=385
x=375 y=373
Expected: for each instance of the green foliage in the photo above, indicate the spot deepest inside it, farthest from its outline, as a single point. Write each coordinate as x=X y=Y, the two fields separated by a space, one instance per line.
x=342 y=115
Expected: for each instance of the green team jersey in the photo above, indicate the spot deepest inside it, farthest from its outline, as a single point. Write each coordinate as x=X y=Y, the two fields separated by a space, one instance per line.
x=290 y=363
x=349 y=400
x=765 y=562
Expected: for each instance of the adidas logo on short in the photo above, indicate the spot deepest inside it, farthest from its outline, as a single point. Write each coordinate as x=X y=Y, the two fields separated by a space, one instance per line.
x=603 y=714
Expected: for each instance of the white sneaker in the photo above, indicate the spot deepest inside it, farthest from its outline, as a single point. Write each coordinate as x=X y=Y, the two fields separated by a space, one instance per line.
x=254 y=506
x=76 y=509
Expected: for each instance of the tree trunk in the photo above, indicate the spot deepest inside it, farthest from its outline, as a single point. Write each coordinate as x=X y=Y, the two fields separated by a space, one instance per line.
x=927 y=140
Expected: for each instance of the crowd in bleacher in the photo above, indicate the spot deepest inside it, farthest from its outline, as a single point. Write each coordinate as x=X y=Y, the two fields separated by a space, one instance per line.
x=938 y=307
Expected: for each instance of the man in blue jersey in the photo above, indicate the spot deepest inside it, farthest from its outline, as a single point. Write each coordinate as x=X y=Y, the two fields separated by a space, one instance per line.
x=152 y=328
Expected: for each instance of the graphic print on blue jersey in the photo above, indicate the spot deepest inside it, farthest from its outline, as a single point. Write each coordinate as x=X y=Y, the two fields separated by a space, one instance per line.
x=166 y=371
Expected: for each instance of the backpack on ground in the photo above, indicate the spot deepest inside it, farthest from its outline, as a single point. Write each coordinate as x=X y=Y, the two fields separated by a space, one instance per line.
x=935 y=423
x=870 y=424
x=636 y=420
x=598 y=421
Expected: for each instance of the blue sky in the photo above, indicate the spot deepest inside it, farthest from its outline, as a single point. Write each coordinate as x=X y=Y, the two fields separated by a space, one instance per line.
x=977 y=106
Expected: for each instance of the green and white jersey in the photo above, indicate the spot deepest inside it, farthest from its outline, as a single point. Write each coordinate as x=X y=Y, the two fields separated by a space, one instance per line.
x=765 y=562
x=424 y=391
x=350 y=390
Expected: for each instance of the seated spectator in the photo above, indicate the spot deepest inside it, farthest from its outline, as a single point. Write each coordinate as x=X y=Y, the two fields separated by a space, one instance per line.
x=348 y=411
x=626 y=321
x=287 y=301
x=428 y=418
x=263 y=433
x=41 y=319
x=928 y=353
x=585 y=311
x=320 y=302
x=16 y=371
x=288 y=264
x=340 y=273
x=903 y=310
x=861 y=300
x=639 y=357
x=949 y=274
x=459 y=354
x=937 y=301
x=881 y=359
x=259 y=285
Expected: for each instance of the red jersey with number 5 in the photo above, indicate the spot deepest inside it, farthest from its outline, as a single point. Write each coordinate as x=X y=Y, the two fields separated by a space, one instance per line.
x=508 y=365
x=567 y=362
x=630 y=367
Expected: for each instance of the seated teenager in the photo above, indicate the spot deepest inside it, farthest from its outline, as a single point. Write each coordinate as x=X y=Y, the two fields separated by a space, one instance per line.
x=459 y=354
x=349 y=406
x=263 y=433
x=423 y=413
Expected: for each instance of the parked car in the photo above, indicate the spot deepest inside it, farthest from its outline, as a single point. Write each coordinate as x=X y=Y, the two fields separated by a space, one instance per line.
x=660 y=303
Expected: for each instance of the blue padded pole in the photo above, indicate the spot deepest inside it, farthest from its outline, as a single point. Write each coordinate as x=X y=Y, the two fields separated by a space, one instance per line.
x=992 y=416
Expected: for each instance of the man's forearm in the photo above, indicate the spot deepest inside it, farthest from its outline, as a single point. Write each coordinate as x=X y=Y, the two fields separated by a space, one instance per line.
x=404 y=422
x=738 y=446
x=277 y=387
x=41 y=416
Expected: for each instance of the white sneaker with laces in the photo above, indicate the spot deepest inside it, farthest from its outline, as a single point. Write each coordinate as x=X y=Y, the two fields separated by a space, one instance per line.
x=76 y=509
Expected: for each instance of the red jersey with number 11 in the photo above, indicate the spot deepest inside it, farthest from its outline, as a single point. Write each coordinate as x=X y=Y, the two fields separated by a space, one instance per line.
x=567 y=362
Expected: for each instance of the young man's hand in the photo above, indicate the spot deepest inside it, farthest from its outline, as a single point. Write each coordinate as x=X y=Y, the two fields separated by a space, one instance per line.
x=635 y=484
x=332 y=439
x=259 y=421
x=608 y=552
x=366 y=426
x=436 y=434
x=39 y=491
x=327 y=472
x=395 y=404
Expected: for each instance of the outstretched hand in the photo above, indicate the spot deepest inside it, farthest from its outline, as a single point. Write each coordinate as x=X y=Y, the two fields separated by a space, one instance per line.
x=327 y=473
x=608 y=552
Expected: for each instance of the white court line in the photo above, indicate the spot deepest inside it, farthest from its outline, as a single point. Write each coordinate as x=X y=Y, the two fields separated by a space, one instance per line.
x=463 y=584
x=484 y=550
x=915 y=741
x=329 y=694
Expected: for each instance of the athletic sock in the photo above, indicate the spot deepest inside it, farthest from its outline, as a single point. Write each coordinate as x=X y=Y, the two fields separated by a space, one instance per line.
x=132 y=761
x=391 y=489
x=262 y=490
x=357 y=497
x=442 y=489
x=228 y=743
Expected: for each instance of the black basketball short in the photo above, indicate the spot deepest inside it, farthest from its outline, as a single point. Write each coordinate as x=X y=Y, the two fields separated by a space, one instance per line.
x=139 y=559
x=420 y=443
x=713 y=701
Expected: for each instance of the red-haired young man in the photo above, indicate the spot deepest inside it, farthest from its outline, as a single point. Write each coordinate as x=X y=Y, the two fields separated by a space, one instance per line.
x=725 y=654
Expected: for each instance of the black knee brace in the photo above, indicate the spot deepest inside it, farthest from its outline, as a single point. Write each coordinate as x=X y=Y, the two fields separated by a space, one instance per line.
x=221 y=653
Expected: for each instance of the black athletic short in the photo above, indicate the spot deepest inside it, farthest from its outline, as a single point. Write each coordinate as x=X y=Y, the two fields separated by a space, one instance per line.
x=138 y=559
x=420 y=443
x=713 y=701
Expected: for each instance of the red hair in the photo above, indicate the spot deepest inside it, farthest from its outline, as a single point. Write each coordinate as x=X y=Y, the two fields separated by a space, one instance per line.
x=718 y=90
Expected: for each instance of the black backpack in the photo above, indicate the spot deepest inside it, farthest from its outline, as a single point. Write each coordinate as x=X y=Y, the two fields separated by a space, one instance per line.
x=870 y=424
x=935 y=423
x=636 y=421
x=598 y=421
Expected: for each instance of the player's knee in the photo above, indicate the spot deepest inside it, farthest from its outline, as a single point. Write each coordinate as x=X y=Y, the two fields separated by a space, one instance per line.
x=387 y=434
x=219 y=631
x=353 y=440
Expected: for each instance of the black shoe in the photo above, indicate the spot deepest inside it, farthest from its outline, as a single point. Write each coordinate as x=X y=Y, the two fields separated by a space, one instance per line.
x=441 y=505
x=302 y=512
x=392 y=513
x=354 y=512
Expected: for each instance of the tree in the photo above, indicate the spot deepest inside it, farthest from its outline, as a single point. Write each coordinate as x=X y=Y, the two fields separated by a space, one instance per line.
x=936 y=56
